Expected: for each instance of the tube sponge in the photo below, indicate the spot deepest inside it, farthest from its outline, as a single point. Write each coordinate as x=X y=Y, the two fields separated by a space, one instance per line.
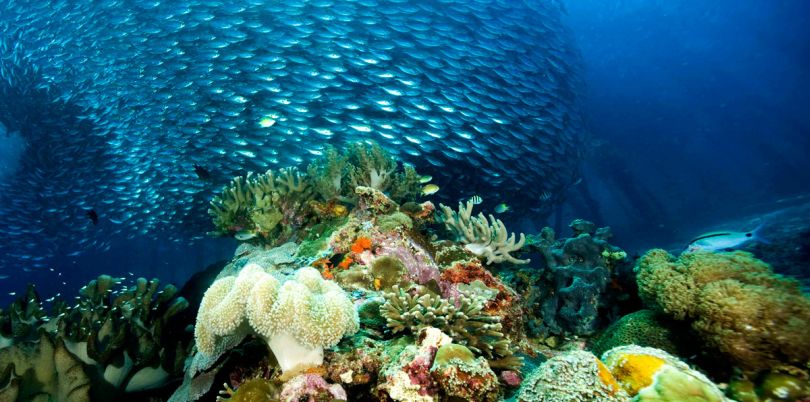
x=297 y=316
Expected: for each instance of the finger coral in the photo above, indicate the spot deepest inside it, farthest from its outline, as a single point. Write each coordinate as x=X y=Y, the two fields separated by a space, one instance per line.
x=298 y=316
x=735 y=302
x=488 y=240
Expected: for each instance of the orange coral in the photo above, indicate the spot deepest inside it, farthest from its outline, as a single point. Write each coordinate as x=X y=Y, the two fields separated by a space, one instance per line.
x=361 y=244
x=346 y=263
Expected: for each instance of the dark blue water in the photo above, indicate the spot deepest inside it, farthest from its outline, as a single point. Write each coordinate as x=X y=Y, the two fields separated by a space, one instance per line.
x=696 y=114
x=699 y=111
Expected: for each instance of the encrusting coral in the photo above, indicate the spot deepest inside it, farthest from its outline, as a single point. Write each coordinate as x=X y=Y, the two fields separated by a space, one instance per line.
x=297 y=316
x=486 y=239
x=756 y=318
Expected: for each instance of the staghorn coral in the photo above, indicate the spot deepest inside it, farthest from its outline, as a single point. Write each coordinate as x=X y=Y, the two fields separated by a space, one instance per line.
x=462 y=319
x=574 y=376
x=649 y=374
x=734 y=302
x=489 y=240
x=297 y=316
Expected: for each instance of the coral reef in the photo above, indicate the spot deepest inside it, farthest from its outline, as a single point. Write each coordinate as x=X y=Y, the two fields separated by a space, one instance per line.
x=642 y=328
x=649 y=374
x=462 y=376
x=278 y=206
x=776 y=385
x=297 y=316
x=575 y=376
x=114 y=340
x=581 y=285
x=463 y=319
x=757 y=319
x=489 y=240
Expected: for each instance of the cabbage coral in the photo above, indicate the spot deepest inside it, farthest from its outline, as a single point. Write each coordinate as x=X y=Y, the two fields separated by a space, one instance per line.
x=297 y=316
x=489 y=240
x=734 y=301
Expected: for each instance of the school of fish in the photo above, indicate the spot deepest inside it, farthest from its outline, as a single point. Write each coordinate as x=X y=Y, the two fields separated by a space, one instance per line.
x=120 y=102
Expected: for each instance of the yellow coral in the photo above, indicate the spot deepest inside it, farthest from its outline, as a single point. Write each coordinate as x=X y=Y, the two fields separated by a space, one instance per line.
x=649 y=374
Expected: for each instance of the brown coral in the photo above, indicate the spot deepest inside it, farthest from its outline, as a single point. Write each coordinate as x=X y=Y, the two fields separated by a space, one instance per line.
x=734 y=301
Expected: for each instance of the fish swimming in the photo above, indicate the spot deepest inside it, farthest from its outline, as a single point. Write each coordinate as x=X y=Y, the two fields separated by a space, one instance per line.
x=430 y=189
x=201 y=172
x=110 y=110
x=476 y=199
x=719 y=241
x=502 y=208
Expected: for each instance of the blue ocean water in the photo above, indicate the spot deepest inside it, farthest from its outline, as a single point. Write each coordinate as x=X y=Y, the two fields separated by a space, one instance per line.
x=699 y=108
x=695 y=113
x=121 y=120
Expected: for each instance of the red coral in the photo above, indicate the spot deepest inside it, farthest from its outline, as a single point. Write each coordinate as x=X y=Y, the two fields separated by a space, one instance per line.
x=361 y=244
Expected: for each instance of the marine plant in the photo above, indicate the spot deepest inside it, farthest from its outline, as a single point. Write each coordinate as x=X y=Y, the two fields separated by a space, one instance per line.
x=734 y=301
x=487 y=239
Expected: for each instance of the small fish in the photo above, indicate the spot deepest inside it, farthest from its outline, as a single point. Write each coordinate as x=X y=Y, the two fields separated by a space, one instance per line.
x=3 y=276
x=430 y=189
x=718 y=241
x=425 y=179
x=544 y=196
x=92 y=215
x=476 y=199
x=501 y=208
x=202 y=172
x=244 y=235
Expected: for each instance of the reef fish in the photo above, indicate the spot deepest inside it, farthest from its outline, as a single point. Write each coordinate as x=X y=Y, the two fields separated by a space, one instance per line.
x=113 y=98
x=719 y=241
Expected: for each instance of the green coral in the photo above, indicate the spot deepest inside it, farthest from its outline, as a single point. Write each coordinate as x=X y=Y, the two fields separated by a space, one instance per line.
x=734 y=302
x=643 y=328
x=277 y=206
x=395 y=220
x=464 y=320
x=388 y=271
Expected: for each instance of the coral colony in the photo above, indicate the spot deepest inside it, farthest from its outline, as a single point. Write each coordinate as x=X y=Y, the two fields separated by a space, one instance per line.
x=349 y=285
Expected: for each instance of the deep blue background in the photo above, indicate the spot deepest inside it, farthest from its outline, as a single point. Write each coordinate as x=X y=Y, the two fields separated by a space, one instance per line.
x=700 y=112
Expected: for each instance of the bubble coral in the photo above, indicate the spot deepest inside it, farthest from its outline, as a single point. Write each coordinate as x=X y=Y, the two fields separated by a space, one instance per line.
x=734 y=302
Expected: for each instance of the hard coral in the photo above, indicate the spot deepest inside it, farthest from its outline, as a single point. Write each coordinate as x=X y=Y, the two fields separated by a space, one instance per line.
x=575 y=376
x=649 y=374
x=734 y=302
x=489 y=240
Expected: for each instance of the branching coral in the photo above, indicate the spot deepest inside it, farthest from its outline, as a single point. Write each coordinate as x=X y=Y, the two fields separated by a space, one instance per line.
x=297 y=316
x=462 y=319
x=488 y=240
x=755 y=317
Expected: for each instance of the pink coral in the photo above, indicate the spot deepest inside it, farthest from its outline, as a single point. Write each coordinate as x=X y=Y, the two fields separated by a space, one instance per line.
x=311 y=388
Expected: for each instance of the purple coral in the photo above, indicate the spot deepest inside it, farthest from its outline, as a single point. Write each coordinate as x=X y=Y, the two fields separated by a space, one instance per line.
x=311 y=388
x=419 y=264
